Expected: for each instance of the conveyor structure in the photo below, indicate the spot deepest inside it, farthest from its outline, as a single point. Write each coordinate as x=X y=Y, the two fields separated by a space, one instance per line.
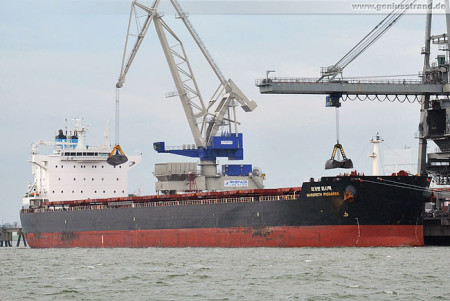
x=432 y=89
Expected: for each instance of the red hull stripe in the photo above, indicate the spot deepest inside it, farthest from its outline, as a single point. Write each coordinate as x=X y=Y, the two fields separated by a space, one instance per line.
x=305 y=236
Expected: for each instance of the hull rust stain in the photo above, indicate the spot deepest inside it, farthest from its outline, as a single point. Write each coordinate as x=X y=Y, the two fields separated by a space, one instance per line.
x=305 y=236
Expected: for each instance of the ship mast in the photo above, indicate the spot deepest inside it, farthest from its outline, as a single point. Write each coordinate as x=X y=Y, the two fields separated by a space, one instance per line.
x=376 y=154
x=422 y=160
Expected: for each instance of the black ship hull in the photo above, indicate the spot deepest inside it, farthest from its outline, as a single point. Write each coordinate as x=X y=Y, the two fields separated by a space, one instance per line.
x=336 y=211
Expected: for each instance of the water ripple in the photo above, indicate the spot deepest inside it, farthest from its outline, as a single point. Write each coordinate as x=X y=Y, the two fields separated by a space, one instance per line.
x=224 y=274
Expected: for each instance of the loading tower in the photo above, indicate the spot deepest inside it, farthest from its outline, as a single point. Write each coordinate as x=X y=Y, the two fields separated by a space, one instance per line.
x=432 y=89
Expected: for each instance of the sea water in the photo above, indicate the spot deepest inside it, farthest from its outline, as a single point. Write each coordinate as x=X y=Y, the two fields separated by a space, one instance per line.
x=225 y=274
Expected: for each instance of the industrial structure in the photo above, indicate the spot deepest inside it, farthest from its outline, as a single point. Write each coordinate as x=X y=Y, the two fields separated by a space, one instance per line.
x=6 y=236
x=431 y=89
x=344 y=210
x=214 y=125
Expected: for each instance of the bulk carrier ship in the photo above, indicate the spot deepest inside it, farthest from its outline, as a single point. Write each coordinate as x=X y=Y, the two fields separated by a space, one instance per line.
x=79 y=195
x=78 y=200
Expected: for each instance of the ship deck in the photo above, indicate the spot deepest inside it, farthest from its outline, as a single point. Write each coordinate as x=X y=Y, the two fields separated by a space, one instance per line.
x=194 y=198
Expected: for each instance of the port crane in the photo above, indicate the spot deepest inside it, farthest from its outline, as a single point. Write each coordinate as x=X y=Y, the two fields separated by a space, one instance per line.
x=214 y=125
x=434 y=82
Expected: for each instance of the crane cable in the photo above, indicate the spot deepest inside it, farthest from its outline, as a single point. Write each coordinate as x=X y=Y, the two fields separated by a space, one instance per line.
x=337 y=125
x=116 y=139
x=375 y=34
x=343 y=162
x=117 y=156
x=370 y=38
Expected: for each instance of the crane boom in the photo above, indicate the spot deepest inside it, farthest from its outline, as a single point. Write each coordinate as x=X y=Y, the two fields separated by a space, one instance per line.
x=233 y=92
x=332 y=71
x=204 y=124
x=183 y=94
x=126 y=66
x=198 y=41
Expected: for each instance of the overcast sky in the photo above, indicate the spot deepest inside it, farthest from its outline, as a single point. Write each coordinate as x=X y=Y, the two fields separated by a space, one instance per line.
x=61 y=59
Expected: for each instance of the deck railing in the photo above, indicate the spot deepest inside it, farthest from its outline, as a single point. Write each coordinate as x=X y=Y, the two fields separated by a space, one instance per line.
x=271 y=198
x=310 y=80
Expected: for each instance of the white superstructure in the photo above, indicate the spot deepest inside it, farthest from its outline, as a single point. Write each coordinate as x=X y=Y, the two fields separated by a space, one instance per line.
x=75 y=171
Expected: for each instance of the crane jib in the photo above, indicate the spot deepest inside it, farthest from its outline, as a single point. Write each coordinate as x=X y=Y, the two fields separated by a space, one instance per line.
x=221 y=146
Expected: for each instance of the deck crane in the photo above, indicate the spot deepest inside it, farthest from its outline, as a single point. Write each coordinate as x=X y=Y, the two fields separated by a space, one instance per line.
x=213 y=125
x=434 y=81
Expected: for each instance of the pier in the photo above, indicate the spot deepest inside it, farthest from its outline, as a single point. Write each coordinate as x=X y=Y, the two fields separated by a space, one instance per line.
x=436 y=230
x=6 y=236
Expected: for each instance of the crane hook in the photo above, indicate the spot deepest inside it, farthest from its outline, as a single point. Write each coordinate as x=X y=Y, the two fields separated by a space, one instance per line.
x=332 y=163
